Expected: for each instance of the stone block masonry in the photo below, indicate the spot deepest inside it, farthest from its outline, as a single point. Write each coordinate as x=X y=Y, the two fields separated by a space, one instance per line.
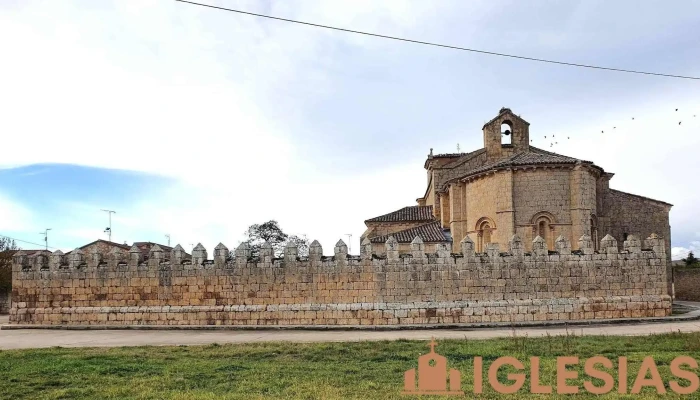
x=687 y=283
x=121 y=288
x=5 y=300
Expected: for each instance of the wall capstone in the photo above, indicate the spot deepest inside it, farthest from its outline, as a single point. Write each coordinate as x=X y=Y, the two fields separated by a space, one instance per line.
x=516 y=246
x=199 y=254
x=585 y=244
x=315 y=251
x=562 y=245
x=467 y=246
x=392 y=248
x=366 y=249
x=291 y=252
x=418 y=247
x=135 y=256
x=539 y=247
x=633 y=244
x=609 y=245
x=177 y=254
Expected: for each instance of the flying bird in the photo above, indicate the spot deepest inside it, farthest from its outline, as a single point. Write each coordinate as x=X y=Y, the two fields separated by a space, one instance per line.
x=602 y=132
x=676 y=109
x=568 y=137
x=632 y=118
x=679 y=122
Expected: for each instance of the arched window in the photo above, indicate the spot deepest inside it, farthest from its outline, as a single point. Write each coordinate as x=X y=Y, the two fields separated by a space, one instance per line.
x=506 y=132
x=542 y=226
x=594 y=232
x=542 y=229
x=484 y=228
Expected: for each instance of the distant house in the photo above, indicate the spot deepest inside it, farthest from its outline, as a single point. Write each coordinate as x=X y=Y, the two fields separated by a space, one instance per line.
x=105 y=246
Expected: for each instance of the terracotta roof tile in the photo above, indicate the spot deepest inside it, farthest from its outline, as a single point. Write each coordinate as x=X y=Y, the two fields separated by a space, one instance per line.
x=410 y=213
x=534 y=156
x=430 y=233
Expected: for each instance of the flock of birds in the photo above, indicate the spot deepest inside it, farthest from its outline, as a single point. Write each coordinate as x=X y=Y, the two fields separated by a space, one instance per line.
x=553 y=141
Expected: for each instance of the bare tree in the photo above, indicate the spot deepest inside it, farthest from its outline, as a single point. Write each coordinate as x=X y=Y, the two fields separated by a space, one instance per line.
x=271 y=232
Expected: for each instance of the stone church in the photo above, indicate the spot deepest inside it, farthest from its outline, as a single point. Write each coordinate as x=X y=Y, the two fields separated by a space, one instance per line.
x=510 y=187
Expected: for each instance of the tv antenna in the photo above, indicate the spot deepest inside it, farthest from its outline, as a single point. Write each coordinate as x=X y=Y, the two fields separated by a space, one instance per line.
x=46 y=237
x=109 y=228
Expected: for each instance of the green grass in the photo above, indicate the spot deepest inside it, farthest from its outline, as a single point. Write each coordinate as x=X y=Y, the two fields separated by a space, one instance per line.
x=366 y=370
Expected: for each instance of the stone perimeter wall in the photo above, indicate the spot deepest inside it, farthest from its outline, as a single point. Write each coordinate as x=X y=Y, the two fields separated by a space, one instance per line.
x=5 y=300
x=687 y=283
x=417 y=288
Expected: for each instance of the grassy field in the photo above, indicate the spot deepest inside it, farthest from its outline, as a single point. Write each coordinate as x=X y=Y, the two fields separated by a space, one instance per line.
x=367 y=370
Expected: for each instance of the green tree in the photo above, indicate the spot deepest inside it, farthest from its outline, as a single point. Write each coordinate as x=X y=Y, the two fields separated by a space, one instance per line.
x=270 y=232
x=691 y=260
x=7 y=249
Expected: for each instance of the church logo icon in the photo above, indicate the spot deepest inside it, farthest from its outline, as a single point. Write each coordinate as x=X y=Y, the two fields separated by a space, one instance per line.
x=432 y=376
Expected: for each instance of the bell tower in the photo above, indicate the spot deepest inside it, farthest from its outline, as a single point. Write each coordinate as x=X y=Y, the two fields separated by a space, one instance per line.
x=505 y=135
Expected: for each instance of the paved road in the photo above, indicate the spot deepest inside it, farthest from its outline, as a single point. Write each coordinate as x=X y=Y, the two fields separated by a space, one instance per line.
x=41 y=338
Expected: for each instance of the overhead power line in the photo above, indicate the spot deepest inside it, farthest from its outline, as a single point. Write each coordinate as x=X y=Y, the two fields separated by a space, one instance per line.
x=24 y=241
x=442 y=45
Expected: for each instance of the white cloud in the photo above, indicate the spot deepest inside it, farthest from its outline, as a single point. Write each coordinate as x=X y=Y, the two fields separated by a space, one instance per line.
x=196 y=94
x=678 y=253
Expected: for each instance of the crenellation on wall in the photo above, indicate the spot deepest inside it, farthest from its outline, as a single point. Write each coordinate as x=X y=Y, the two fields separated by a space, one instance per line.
x=381 y=289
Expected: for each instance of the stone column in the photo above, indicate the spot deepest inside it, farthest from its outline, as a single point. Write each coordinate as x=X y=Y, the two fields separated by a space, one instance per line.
x=583 y=201
x=505 y=212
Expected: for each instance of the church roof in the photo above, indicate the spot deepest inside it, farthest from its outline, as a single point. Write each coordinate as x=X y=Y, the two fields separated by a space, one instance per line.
x=466 y=157
x=407 y=214
x=430 y=233
x=534 y=156
x=460 y=158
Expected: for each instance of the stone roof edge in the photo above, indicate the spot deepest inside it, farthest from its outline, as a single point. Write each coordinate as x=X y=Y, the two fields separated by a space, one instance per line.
x=458 y=156
x=468 y=156
x=642 y=197
x=443 y=189
x=508 y=167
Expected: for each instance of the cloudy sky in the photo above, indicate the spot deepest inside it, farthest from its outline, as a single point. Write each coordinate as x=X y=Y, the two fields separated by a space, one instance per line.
x=196 y=122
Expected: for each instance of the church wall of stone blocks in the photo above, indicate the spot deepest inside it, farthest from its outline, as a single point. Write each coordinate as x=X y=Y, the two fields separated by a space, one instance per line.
x=391 y=288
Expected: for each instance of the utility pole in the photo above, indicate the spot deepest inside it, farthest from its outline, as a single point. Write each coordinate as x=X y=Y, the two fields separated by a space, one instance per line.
x=349 y=235
x=167 y=235
x=46 y=237
x=109 y=228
